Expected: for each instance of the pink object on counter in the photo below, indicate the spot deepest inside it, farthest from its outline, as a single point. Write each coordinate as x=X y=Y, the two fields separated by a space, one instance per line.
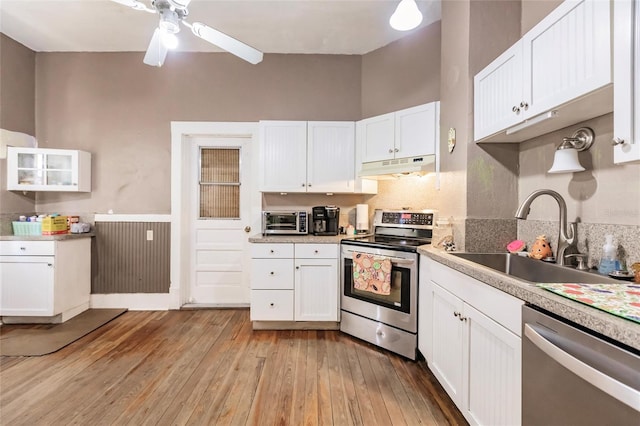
x=516 y=246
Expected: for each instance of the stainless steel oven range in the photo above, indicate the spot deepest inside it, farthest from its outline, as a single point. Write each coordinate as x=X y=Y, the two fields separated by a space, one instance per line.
x=389 y=318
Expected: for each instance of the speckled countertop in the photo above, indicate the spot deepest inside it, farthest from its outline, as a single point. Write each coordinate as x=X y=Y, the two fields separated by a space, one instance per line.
x=622 y=330
x=46 y=237
x=302 y=239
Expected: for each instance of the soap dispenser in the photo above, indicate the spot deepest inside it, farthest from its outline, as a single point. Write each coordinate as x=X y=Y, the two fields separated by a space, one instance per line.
x=608 y=261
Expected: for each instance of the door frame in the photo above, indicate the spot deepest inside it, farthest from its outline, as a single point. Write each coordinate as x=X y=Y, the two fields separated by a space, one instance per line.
x=181 y=237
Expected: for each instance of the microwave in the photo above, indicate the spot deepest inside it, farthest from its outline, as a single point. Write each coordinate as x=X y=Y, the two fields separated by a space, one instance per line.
x=284 y=222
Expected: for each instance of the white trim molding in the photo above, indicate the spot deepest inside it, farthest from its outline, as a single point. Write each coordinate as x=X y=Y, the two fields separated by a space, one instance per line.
x=132 y=301
x=99 y=217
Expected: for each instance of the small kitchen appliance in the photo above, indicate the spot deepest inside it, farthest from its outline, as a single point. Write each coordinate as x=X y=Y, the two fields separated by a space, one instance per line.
x=386 y=320
x=285 y=223
x=325 y=220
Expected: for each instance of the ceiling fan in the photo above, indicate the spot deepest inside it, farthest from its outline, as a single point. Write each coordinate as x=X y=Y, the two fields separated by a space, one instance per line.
x=172 y=13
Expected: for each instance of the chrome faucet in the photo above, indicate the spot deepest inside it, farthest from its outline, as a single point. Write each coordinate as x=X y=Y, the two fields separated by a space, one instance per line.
x=565 y=239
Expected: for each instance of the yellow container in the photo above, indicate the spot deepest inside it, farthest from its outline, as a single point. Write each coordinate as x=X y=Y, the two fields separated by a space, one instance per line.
x=54 y=225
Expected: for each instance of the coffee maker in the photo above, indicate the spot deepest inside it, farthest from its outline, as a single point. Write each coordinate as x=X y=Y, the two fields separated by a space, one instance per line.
x=325 y=220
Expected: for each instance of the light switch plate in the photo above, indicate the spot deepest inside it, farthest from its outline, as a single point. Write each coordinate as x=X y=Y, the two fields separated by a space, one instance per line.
x=149 y=234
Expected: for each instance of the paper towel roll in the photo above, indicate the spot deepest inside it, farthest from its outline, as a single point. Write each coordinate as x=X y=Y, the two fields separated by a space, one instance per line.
x=362 y=217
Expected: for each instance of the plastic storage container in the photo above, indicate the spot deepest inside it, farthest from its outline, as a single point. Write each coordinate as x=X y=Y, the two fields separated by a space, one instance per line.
x=27 y=228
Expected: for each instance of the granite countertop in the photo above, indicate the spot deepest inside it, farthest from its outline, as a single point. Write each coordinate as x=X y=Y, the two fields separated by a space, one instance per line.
x=614 y=327
x=59 y=237
x=301 y=239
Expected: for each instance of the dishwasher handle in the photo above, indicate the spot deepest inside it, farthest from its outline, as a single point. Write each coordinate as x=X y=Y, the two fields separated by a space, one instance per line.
x=620 y=391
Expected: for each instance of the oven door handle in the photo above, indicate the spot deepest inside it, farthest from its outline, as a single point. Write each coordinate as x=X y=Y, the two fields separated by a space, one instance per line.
x=394 y=260
x=620 y=391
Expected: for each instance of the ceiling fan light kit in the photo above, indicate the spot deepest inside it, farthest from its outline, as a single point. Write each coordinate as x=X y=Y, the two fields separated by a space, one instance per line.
x=406 y=17
x=172 y=13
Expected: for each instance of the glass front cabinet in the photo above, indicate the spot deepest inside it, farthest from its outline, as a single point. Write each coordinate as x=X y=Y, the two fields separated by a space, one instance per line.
x=41 y=169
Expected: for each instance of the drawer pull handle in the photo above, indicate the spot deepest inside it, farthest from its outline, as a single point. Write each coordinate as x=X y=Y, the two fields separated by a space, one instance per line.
x=23 y=248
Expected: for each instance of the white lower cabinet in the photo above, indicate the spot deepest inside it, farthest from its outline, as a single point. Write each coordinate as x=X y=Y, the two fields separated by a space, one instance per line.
x=44 y=279
x=469 y=333
x=294 y=282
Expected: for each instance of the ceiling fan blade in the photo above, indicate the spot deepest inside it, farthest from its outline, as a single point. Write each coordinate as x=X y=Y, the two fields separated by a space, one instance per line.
x=157 y=51
x=226 y=42
x=134 y=4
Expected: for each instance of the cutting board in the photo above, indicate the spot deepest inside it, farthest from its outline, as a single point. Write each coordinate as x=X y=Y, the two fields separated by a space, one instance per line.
x=621 y=299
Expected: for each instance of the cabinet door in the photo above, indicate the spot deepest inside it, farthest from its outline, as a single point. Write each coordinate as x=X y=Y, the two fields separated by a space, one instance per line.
x=567 y=55
x=448 y=342
x=330 y=156
x=27 y=286
x=378 y=136
x=498 y=93
x=283 y=156
x=415 y=131
x=492 y=371
x=316 y=290
x=626 y=95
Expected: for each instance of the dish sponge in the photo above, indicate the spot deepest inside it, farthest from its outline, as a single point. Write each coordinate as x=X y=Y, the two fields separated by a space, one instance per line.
x=516 y=246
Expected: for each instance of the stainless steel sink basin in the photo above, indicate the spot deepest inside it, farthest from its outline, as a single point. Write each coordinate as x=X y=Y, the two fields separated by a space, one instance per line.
x=534 y=270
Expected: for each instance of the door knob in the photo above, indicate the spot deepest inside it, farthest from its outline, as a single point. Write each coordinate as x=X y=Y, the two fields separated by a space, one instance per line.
x=247 y=229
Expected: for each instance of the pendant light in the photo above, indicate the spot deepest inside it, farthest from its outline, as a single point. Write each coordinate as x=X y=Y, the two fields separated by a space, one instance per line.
x=565 y=159
x=406 y=17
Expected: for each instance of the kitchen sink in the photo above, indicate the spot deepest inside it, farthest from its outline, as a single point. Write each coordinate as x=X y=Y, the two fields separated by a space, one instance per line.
x=533 y=270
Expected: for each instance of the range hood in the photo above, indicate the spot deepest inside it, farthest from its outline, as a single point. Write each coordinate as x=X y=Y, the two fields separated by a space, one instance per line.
x=389 y=169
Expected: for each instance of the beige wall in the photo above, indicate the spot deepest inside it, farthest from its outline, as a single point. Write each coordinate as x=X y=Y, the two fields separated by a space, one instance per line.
x=402 y=74
x=534 y=10
x=120 y=110
x=17 y=111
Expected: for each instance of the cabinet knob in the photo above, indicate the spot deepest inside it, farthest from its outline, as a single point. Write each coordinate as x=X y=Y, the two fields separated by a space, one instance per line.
x=516 y=110
x=309 y=185
x=462 y=318
x=390 y=151
x=456 y=314
x=271 y=273
x=272 y=304
x=524 y=105
x=617 y=141
x=297 y=267
x=270 y=251
x=23 y=248
x=315 y=251
x=303 y=185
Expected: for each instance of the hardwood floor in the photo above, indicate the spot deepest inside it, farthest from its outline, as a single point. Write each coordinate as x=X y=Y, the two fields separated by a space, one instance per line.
x=209 y=367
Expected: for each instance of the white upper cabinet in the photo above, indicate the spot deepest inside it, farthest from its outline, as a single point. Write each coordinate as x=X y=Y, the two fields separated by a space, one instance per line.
x=626 y=96
x=314 y=156
x=39 y=169
x=558 y=74
x=406 y=133
x=283 y=156
x=331 y=156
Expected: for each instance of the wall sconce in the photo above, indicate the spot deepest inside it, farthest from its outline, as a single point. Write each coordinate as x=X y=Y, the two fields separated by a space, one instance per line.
x=565 y=159
x=406 y=17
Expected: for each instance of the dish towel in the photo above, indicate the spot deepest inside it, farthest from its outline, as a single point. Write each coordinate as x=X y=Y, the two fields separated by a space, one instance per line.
x=372 y=273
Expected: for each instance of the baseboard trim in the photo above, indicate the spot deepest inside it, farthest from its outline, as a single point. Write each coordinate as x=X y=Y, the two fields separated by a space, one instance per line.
x=296 y=325
x=132 y=301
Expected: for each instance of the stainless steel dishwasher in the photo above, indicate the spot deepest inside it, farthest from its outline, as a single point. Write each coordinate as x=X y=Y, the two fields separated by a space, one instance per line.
x=573 y=377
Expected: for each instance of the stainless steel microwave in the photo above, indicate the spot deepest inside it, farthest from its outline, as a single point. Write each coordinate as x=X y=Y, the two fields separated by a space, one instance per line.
x=284 y=222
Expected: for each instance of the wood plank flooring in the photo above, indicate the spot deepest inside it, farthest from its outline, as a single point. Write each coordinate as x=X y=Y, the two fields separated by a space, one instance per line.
x=208 y=367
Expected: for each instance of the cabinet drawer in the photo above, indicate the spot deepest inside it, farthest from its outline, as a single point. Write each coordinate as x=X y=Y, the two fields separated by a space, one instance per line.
x=275 y=251
x=320 y=251
x=27 y=248
x=272 y=274
x=271 y=305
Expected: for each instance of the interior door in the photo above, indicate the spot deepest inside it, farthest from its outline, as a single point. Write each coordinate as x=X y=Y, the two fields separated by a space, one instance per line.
x=220 y=215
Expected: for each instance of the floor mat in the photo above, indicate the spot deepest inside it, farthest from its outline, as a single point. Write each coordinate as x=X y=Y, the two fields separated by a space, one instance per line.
x=20 y=341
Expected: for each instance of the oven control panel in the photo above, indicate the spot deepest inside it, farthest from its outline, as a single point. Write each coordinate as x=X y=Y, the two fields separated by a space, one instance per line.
x=420 y=218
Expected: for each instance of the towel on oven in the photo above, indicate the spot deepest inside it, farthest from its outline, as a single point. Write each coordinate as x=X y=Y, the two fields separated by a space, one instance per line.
x=372 y=273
